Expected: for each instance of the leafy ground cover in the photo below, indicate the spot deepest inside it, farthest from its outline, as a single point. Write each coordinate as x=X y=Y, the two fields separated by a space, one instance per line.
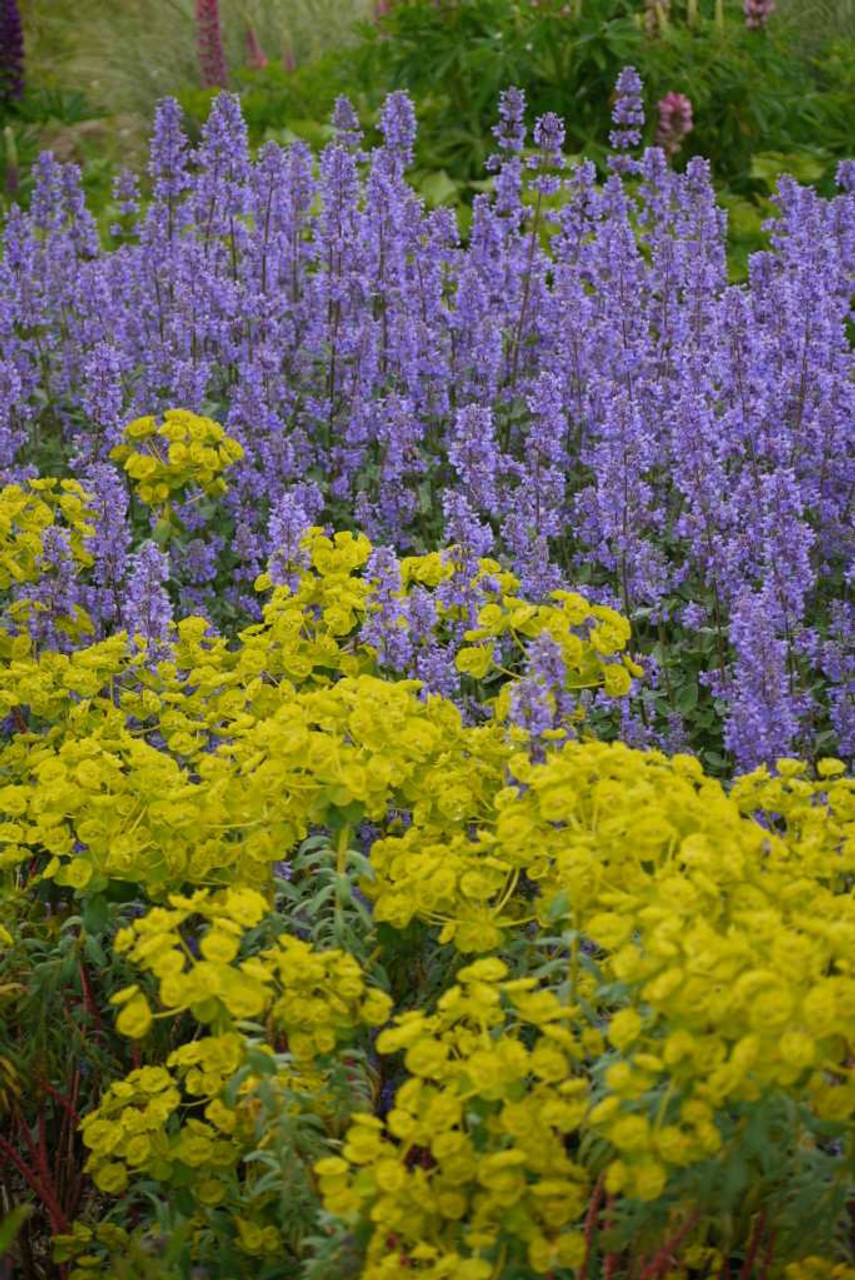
x=427 y=842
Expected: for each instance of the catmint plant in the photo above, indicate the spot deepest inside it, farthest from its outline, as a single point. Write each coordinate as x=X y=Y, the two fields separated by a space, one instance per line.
x=575 y=388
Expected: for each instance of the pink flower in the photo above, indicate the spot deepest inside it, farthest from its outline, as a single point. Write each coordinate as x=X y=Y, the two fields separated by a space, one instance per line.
x=255 y=54
x=675 y=122
x=757 y=13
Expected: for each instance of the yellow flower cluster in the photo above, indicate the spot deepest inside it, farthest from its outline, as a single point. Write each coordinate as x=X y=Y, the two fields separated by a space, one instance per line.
x=591 y=638
x=137 y=1133
x=265 y=738
x=814 y=1268
x=164 y=459
x=312 y=998
x=26 y=512
x=312 y=1001
x=566 y=622
x=703 y=938
x=474 y=1146
x=734 y=941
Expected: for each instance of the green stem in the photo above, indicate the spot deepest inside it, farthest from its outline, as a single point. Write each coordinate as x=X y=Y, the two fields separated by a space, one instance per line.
x=574 y=959
x=342 y=848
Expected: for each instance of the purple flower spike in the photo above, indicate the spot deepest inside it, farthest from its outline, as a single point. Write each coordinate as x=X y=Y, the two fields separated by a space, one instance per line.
x=549 y=138
x=628 y=117
x=345 y=121
x=147 y=609
x=11 y=50
x=398 y=127
x=510 y=131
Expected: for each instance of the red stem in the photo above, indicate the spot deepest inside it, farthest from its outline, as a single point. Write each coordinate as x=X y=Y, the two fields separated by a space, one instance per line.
x=58 y=1220
x=753 y=1245
x=91 y=1003
x=44 y=1167
x=664 y=1257
x=61 y=1099
x=591 y=1225
x=768 y=1254
x=27 y=1137
x=611 y=1260
x=75 y=1188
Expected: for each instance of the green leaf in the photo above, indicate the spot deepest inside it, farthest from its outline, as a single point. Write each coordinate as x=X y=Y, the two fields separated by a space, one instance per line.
x=163 y=532
x=437 y=188
x=558 y=907
x=806 y=166
x=94 y=952
x=686 y=698
x=735 y=1179
x=96 y=914
x=11 y=1225
x=362 y=864
x=260 y=1063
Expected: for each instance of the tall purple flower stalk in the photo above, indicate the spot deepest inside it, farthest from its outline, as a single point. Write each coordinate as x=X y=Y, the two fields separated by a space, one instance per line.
x=55 y=597
x=628 y=120
x=147 y=609
x=209 y=40
x=11 y=51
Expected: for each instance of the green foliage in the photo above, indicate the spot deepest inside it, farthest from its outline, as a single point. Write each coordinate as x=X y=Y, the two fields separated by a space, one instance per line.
x=787 y=90
x=282 y=104
x=10 y=1225
x=811 y=23
x=752 y=92
x=758 y=97
x=28 y=125
x=95 y=72
x=128 y=55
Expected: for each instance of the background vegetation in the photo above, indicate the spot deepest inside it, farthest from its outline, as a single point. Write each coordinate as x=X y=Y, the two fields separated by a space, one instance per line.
x=762 y=100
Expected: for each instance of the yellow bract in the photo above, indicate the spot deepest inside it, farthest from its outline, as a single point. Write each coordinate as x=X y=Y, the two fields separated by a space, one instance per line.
x=266 y=737
x=164 y=460
x=498 y=1159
